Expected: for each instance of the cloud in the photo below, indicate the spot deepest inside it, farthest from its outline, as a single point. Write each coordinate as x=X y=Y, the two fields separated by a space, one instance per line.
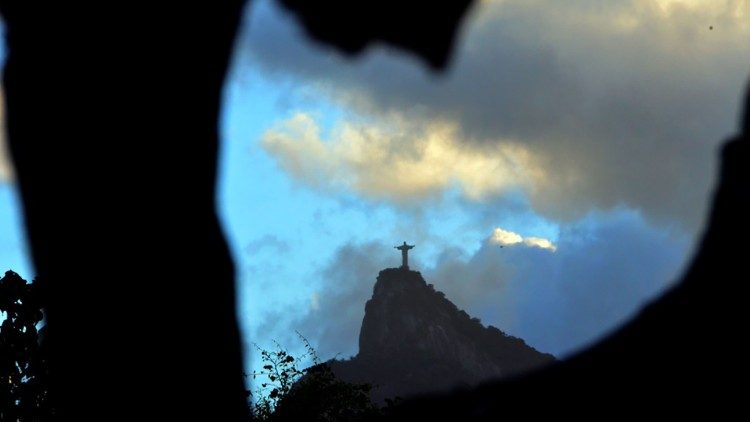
x=540 y=243
x=6 y=170
x=6 y=173
x=607 y=265
x=393 y=160
x=508 y=238
x=268 y=243
x=503 y=237
x=624 y=102
x=334 y=316
x=315 y=302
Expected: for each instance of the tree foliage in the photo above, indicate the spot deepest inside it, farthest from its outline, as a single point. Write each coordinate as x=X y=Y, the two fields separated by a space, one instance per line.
x=23 y=363
x=289 y=393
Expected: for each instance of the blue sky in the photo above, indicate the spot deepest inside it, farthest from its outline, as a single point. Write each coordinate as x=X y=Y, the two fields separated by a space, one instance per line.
x=582 y=140
x=13 y=254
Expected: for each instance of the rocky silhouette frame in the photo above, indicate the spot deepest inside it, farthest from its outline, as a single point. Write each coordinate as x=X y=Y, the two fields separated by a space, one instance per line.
x=112 y=114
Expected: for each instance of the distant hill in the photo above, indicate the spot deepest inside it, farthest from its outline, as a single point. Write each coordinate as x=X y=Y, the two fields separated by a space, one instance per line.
x=413 y=340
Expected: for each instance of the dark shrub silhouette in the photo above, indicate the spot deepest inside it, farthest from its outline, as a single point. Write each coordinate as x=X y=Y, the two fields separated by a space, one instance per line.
x=311 y=394
x=23 y=363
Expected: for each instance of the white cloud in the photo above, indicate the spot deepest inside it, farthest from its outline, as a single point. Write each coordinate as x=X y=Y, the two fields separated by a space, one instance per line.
x=541 y=243
x=397 y=160
x=503 y=237
x=734 y=8
x=623 y=102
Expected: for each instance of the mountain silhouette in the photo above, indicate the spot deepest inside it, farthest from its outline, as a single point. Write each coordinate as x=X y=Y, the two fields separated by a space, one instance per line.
x=415 y=341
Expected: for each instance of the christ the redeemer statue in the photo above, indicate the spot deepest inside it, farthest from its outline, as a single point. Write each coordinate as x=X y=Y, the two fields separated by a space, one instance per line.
x=404 y=254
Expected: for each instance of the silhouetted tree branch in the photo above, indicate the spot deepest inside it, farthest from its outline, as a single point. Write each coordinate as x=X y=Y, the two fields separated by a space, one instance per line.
x=313 y=394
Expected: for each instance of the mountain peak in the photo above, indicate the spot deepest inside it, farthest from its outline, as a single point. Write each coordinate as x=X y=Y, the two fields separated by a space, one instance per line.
x=414 y=340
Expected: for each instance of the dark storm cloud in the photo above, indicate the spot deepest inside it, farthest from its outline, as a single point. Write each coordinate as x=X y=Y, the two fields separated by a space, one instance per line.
x=624 y=102
x=605 y=267
x=332 y=321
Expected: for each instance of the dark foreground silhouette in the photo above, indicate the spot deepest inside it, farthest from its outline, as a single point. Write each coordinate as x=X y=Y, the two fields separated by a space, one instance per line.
x=112 y=123
x=112 y=112
x=23 y=356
